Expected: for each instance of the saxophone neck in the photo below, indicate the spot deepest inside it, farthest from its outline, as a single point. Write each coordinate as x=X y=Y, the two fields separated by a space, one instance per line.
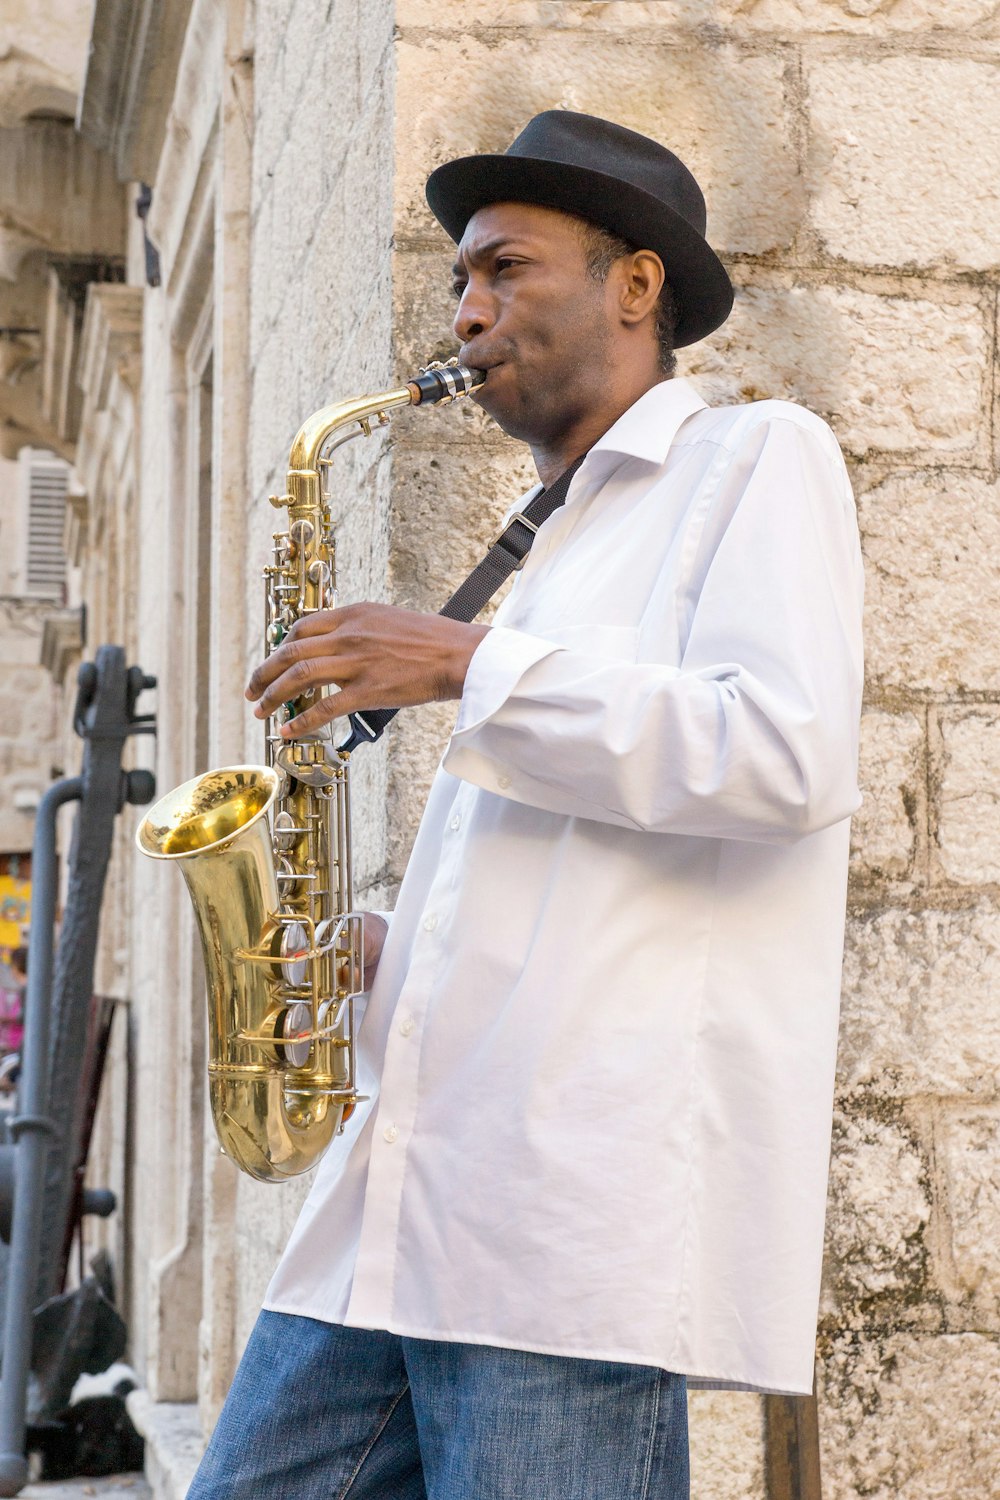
x=354 y=418
x=434 y=386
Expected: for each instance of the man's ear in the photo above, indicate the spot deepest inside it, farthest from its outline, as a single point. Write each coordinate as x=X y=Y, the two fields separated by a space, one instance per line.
x=642 y=278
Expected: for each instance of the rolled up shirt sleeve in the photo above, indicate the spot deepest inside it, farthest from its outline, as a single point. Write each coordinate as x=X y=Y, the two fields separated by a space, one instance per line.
x=754 y=733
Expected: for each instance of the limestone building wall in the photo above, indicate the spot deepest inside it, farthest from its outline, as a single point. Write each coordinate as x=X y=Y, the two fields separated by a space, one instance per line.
x=846 y=148
x=320 y=329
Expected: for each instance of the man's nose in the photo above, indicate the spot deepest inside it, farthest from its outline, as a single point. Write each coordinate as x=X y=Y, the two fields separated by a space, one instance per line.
x=475 y=313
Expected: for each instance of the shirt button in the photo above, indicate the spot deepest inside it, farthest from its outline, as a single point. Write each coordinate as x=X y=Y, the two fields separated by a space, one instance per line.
x=430 y=923
x=456 y=823
x=406 y=1027
x=503 y=782
x=390 y=1133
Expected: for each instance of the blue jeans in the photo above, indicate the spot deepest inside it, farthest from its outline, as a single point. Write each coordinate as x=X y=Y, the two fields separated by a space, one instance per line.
x=320 y=1412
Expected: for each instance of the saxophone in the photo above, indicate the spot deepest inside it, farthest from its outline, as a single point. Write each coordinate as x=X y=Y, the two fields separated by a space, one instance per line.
x=266 y=855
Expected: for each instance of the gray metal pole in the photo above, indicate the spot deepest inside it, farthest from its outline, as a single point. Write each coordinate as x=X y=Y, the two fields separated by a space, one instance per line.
x=32 y=1130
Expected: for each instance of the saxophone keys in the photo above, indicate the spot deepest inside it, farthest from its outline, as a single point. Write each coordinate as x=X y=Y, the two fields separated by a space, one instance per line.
x=311 y=769
x=296 y=1029
x=285 y=831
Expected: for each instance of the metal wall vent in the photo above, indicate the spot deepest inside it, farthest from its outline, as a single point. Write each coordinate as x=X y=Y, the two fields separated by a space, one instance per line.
x=46 y=561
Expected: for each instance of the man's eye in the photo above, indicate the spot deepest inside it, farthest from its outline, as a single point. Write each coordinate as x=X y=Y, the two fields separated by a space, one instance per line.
x=457 y=288
x=503 y=262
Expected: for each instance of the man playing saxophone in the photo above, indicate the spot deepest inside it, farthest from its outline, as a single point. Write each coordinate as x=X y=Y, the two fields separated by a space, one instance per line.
x=600 y=1037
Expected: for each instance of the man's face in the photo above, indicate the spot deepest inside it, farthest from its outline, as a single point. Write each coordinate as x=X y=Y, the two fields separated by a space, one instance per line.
x=533 y=316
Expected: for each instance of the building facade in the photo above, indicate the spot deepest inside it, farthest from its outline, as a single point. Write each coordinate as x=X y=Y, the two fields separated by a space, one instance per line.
x=211 y=224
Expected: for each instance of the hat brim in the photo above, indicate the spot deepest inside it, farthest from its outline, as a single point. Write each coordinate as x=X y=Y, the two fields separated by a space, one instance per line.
x=701 y=285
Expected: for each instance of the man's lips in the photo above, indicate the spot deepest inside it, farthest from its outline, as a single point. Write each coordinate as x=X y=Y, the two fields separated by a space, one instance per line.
x=478 y=362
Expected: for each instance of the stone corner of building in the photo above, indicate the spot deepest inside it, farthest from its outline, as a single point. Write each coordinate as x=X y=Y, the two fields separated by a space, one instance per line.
x=174 y=1442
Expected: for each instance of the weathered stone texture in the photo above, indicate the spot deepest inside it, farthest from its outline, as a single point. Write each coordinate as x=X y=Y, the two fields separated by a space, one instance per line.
x=723 y=111
x=891 y=777
x=903 y=152
x=272 y=1216
x=42 y=58
x=920 y=1012
x=573 y=14
x=320 y=295
x=867 y=17
x=321 y=330
x=969 y=818
x=448 y=501
x=930 y=542
x=28 y=725
x=889 y=373
x=911 y=1417
x=879 y=1206
x=27 y=698
x=344 y=311
x=424 y=309
x=58 y=195
x=423 y=313
x=726 y=1433
x=970 y=1154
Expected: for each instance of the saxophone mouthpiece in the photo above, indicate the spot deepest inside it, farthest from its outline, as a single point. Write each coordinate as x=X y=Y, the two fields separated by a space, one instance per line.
x=439 y=383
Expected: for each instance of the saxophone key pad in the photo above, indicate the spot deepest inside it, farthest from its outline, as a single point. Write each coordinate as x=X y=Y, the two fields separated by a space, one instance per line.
x=295 y=1030
x=284 y=831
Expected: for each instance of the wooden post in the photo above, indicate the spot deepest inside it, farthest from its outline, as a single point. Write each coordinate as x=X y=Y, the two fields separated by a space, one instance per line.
x=791 y=1448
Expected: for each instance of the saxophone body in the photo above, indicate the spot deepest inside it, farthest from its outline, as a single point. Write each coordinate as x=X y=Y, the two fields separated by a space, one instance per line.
x=266 y=855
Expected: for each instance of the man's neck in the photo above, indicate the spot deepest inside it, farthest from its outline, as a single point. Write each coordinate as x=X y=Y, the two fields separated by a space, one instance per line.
x=554 y=458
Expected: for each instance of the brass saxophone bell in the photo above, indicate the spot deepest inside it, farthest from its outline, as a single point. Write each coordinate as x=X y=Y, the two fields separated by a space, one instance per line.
x=282 y=943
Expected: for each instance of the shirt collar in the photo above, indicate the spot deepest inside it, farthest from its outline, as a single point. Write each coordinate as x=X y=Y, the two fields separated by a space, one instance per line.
x=645 y=431
x=650 y=425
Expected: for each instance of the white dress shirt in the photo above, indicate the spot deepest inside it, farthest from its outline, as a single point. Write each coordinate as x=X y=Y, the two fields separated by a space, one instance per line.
x=601 y=1041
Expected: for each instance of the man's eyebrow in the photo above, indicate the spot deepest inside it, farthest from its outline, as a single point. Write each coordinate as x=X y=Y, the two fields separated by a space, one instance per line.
x=483 y=252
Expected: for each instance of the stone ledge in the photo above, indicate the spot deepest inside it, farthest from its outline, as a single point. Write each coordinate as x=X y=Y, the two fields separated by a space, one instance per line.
x=174 y=1442
x=126 y=1486
x=62 y=641
x=128 y=84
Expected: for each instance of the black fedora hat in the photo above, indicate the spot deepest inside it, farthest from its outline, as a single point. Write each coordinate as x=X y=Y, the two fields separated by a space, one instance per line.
x=615 y=178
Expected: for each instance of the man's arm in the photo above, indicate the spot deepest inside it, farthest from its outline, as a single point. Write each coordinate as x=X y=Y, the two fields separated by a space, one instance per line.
x=379 y=656
x=754 y=734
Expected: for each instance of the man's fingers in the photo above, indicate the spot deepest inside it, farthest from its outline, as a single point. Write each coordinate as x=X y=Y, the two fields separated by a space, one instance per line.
x=285 y=658
x=321 y=623
x=298 y=679
x=280 y=659
x=335 y=706
x=388 y=657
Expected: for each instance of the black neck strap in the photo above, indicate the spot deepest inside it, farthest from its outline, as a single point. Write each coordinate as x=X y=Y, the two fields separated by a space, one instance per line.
x=505 y=555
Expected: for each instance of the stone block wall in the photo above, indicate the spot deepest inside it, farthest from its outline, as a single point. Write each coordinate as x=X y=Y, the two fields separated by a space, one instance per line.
x=320 y=330
x=847 y=149
x=27 y=731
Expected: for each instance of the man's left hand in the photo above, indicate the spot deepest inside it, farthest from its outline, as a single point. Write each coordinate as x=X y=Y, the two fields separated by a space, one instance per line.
x=377 y=655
